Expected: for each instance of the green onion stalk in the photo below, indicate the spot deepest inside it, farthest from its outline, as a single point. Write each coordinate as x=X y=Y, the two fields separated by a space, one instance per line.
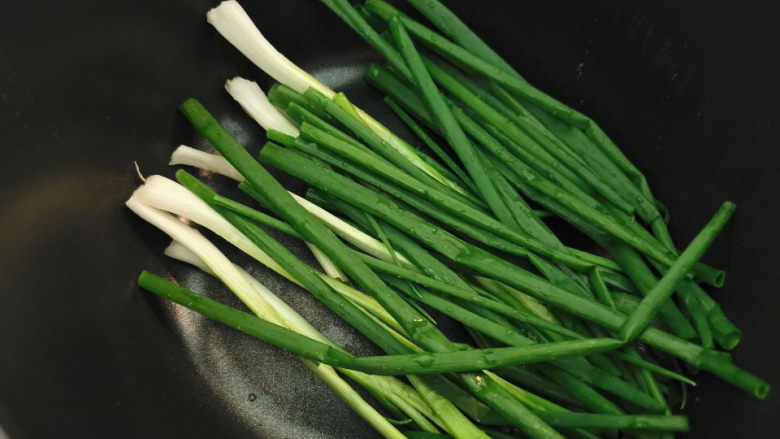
x=484 y=262
x=233 y=23
x=240 y=285
x=464 y=293
x=352 y=151
x=274 y=135
x=661 y=292
x=581 y=370
x=402 y=364
x=419 y=329
x=653 y=248
x=629 y=260
x=235 y=237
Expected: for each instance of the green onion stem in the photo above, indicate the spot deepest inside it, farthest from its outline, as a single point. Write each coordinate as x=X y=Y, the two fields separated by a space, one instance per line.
x=308 y=226
x=402 y=364
x=481 y=261
x=661 y=292
x=581 y=370
x=299 y=271
x=419 y=328
x=653 y=247
x=430 y=143
x=388 y=171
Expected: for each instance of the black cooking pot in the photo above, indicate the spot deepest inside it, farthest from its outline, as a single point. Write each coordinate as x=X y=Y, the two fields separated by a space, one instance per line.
x=688 y=89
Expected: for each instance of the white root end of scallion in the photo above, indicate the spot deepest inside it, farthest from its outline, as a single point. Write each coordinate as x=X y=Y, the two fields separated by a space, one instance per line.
x=233 y=23
x=256 y=104
x=211 y=256
x=167 y=195
x=192 y=247
x=328 y=266
x=260 y=300
x=138 y=172
x=180 y=252
x=188 y=156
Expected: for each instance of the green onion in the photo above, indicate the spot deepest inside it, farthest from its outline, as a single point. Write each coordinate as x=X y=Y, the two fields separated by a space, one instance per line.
x=185 y=155
x=635 y=265
x=424 y=435
x=342 y=110
x=452 y=51
x=642 y=276
x=416 y=326
x=456 y=423
x=548 y=151
x=600 y=289
x=345 y=230
x=252 y=99
x=409 y=364
x=184 y=203
x=581 y=370
x=451 y=417
x=452 y=132
x=727 y=335
x=389 y=84
x=560 y=416
x=596 y=158
x=300 y=272
x=454 y=221
x=484 y=262
x=618 y=422
x=384 y=388
x=249 y=294
x=430 y=143
x=233 y=23
x=301 y=115
x=634 y=358
x=451 y=25
x=653 y=248
x=504 y=403
x=455 y=416
x=471 y=319
x=519 y=170
x=646 y=208
x=354 y=154
x=452 y=234
x=661 y=292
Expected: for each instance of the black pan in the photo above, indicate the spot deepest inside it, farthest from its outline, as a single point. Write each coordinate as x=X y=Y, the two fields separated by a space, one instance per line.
x=688 y=89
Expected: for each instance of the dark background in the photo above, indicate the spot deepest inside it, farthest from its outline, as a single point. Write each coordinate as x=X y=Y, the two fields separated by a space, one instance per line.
x=688 y=89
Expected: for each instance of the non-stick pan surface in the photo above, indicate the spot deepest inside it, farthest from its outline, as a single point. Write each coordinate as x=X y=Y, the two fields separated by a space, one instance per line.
x=689 y=89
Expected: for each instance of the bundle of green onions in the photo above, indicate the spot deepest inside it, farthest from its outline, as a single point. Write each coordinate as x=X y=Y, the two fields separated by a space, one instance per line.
x=566 y=343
